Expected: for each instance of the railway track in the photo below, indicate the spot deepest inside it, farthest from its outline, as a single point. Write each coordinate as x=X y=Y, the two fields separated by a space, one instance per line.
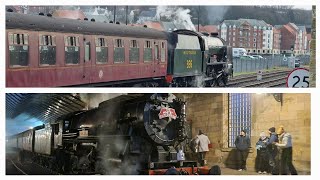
x=27 y=168
x=270 y=79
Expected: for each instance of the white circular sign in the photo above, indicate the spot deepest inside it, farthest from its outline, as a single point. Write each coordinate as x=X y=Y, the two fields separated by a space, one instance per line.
x=298 y=78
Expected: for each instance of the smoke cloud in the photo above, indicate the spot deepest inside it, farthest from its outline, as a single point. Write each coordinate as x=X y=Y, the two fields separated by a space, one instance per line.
x=176 y=15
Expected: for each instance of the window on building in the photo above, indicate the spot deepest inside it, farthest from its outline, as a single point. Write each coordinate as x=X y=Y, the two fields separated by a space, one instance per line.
x=47 y=50
x=254 y=45
x=254 y=39
x=72 y=52
x=239 y=115
x=101 y=50
x=254 y=34
x=234 y=33
x=18 y=49
x=233 y=44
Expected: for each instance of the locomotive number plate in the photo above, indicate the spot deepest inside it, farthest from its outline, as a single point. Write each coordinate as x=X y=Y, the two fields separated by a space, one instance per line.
x=83 y=133
x=167 y=112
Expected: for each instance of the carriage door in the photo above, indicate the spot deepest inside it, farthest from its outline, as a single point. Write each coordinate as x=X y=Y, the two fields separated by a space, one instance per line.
x=88 y=44
x=156 y=61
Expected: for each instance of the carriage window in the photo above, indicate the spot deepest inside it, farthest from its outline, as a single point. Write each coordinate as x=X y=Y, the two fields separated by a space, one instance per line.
x=119 y=43
x=133 y=44
x=118 y=55
x=47 y=50
x=147 y=54
x=72 y=52
x=18 y=49
x=101 y=51
x=134 y=54
x=163 y=52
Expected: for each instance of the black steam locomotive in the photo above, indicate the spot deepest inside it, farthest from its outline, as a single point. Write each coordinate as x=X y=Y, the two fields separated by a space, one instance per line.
x=131 y=134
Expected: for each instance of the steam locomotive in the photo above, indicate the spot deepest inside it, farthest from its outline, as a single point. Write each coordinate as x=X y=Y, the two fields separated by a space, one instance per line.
x=129 y=134
x=44 y=51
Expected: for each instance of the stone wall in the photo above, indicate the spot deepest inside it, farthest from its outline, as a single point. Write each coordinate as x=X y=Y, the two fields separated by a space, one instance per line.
x=209 y=112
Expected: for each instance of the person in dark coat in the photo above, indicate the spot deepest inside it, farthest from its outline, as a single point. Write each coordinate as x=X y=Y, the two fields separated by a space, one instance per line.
x=262 y=154
x=242 y=143
x=272 y=151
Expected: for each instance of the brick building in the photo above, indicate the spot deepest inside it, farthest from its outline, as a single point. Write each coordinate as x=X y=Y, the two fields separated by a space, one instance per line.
x=220 y=115
x=293 y=36
x=276 y=40
x=256 y=36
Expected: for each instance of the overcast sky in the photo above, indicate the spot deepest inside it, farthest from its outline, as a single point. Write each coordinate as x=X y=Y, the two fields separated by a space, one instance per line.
x=303 y=7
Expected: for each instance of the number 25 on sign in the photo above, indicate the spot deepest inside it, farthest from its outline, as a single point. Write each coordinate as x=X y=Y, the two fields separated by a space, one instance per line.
x=189 y=64
x=298 y=78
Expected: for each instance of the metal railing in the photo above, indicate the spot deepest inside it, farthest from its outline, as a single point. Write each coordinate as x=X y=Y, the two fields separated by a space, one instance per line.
x=267 y=62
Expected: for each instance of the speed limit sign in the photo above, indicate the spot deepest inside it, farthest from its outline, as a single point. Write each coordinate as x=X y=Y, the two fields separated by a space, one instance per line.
x=298 y=78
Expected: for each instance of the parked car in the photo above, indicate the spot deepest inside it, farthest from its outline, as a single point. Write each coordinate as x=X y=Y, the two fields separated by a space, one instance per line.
x=258 y=57
x=248 y=57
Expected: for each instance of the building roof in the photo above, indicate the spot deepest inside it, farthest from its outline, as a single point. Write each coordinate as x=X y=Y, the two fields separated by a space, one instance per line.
x=208 y=28
x=232 y=22
x=154 y=24
x=69 y=14
x=252 y=22
x=255 y=22
x=289 y=28
x=302 y=28
x=278 y=26
x=294 y=26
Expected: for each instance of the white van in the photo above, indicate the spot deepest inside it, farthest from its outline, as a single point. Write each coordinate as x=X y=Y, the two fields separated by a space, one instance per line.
x=238 y=52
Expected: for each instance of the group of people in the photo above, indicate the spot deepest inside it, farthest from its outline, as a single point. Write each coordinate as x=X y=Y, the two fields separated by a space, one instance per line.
x=274 y=152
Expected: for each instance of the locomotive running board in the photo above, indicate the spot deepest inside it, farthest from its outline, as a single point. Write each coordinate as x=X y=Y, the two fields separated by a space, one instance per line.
x=208 y=79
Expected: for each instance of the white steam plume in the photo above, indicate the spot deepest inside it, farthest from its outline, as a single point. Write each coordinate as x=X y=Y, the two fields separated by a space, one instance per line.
x=177 y=15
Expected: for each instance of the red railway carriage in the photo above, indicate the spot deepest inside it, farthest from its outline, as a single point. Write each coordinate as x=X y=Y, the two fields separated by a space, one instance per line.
x=47 y=52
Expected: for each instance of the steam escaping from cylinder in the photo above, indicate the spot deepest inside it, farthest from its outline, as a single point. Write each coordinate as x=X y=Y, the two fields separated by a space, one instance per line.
x=177 y=15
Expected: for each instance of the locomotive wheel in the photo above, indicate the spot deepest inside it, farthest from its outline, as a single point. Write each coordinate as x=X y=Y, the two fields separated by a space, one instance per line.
x=221 y=81
x=212 y=83
x=74 y=165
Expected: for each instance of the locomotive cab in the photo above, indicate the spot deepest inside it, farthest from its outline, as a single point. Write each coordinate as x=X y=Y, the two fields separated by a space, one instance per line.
x=217 y=60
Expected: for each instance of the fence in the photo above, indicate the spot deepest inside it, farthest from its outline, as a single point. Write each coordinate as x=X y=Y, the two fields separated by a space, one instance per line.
x=267 y=62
